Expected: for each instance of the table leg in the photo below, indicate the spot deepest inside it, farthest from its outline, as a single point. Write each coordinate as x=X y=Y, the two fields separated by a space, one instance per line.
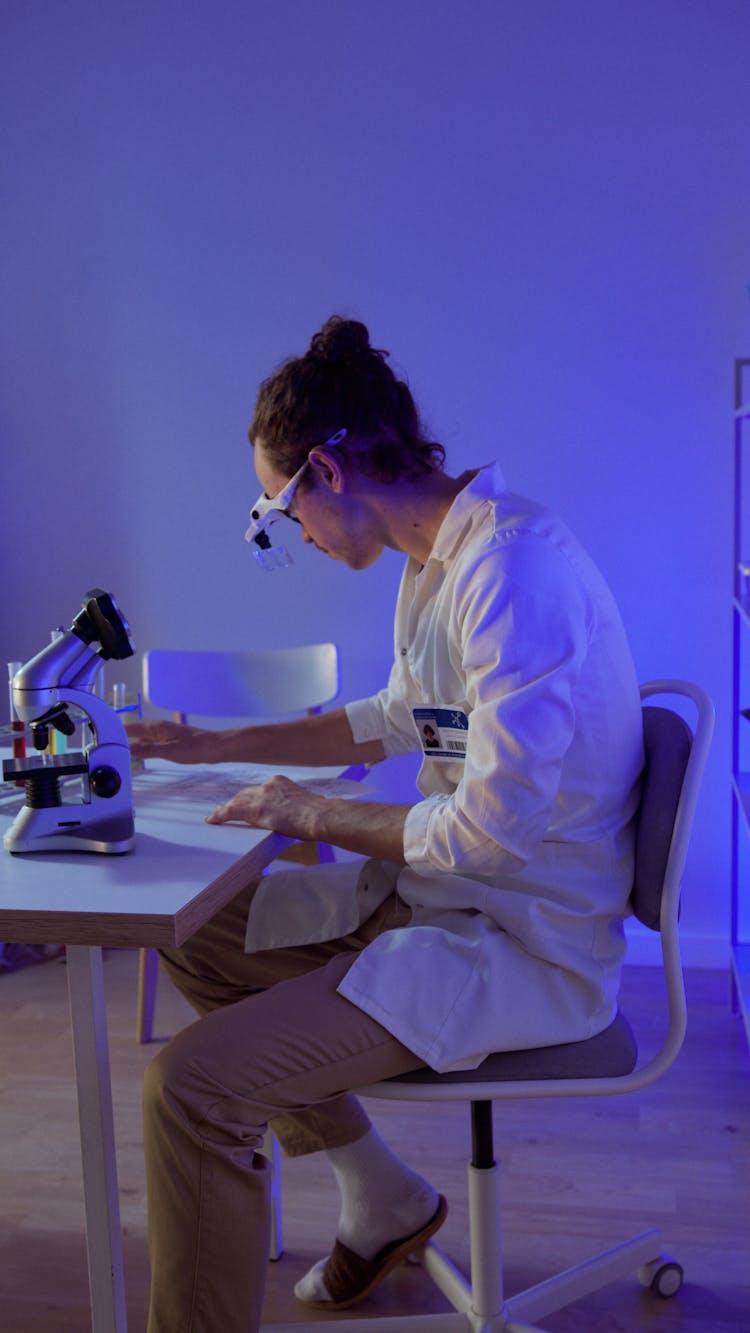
x=91 y=1054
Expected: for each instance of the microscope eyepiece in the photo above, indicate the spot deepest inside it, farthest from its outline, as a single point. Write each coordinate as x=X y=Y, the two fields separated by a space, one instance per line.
x=101 y=621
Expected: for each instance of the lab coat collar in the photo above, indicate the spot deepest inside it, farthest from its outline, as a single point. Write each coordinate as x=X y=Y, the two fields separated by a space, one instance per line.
x=482 y=484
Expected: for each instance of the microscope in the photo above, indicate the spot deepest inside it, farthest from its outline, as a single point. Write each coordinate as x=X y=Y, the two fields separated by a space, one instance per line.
x=76 y=801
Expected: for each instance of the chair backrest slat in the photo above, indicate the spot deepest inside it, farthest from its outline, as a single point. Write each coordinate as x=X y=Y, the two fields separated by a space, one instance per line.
x=262 y=683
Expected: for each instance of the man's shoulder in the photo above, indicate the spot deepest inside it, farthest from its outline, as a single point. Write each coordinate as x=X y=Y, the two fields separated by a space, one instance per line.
x=510 y=516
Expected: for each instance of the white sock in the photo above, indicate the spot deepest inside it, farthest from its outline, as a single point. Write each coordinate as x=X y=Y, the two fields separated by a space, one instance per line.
x=382 y=1200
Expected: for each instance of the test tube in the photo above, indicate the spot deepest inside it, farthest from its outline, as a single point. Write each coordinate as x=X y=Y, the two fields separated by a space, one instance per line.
x=17 y=727
x=58 y=741
x=118 y=695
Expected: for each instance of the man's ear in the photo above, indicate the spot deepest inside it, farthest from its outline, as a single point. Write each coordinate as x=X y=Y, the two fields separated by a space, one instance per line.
x=327 y=468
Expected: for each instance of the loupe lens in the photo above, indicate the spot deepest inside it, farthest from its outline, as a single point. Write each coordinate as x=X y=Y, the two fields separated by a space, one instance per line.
x=274 y=557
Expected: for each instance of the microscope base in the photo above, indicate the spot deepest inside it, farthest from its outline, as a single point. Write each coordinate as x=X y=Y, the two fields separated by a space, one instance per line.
x=57 y=830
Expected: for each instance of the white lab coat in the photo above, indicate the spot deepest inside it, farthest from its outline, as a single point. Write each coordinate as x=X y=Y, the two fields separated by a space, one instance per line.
x=519 y=858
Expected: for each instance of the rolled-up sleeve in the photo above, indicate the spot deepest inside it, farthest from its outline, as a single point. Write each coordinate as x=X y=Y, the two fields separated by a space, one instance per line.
x=366 y=719
x=384 y=717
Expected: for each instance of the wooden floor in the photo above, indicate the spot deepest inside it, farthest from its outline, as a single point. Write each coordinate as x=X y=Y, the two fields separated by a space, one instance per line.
x=577 y=1175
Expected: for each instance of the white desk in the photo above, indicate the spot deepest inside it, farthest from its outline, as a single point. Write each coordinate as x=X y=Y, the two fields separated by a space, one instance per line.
x=181 y=872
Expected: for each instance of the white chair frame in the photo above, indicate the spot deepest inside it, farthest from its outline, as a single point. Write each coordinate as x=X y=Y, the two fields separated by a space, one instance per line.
x=479 y=1305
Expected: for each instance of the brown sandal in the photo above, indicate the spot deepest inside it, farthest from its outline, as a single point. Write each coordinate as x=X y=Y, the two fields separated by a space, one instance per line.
x=349 y=1277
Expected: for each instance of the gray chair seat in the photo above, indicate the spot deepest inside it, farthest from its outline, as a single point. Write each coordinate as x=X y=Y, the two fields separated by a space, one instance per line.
x=609 y=1054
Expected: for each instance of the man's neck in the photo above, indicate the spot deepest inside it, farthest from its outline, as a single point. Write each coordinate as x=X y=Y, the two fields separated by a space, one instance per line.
x=416 y=511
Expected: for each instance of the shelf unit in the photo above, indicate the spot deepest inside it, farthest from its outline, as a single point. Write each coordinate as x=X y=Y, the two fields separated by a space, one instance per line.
x=740 y=861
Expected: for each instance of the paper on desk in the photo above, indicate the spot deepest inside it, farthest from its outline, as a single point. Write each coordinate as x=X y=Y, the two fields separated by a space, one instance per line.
x=216 y=783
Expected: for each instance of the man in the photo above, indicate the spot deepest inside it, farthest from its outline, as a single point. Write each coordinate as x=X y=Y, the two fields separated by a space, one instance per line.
x=486 y=916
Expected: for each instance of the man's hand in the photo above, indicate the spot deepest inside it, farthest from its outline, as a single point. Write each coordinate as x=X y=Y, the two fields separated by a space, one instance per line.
x=171 y=740
x=279 y=804
x=368 y=828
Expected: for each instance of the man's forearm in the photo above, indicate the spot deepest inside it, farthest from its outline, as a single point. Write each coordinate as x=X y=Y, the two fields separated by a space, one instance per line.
x=366 y=827
x=324 y=738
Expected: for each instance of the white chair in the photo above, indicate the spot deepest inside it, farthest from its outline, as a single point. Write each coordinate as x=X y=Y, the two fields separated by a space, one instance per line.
x=603 y=1066
x=269 y=682
x=265 y=682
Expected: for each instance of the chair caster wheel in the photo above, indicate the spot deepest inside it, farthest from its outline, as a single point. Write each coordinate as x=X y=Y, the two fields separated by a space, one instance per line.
x=664 y=1276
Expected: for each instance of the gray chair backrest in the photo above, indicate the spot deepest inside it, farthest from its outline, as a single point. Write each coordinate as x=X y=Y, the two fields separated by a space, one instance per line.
x=667 y=741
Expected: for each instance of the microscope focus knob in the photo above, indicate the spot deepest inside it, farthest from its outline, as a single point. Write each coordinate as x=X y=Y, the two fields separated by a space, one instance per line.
x=105 y=781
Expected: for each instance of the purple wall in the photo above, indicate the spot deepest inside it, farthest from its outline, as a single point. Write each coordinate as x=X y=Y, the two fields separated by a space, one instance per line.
x=541 y=209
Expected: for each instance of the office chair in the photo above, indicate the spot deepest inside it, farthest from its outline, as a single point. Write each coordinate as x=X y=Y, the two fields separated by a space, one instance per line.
x=266 y=683
x=602 y=1066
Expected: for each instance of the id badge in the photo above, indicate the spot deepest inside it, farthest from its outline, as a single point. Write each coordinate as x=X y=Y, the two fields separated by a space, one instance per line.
x=443 y=732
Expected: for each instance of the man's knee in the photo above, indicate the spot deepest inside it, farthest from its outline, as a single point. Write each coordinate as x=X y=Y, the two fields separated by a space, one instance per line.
x=172 y=1084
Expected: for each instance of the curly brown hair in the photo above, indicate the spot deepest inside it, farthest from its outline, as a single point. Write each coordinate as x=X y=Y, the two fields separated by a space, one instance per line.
x=342 y=382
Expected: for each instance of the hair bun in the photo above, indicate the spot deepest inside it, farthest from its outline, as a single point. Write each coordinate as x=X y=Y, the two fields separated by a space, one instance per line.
x=343 y=340
x=342 y=383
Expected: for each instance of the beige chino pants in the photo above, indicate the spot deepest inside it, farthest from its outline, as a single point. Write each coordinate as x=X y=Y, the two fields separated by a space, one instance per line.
x=275 y=1044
